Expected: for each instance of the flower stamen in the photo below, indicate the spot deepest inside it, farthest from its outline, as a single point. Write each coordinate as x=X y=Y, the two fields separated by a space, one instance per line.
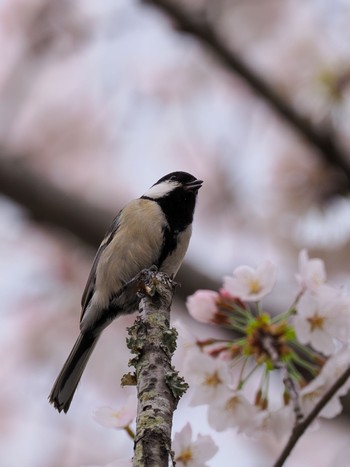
x=316 y=322
x=212 y=379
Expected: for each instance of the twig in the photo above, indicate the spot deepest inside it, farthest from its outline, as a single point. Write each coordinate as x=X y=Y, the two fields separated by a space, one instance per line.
x=289 y=383
x=332 y=153
x=158 y=385
x=301 y=427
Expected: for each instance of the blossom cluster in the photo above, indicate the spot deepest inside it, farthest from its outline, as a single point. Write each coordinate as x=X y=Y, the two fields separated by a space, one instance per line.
x=269 y=370
x=301 y=350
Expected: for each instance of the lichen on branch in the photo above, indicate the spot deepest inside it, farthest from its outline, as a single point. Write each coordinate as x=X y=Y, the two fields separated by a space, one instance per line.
x=159 y=387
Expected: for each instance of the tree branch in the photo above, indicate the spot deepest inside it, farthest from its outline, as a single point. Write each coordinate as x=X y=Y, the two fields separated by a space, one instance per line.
x=49 y=204
x=332 y=153
x=301 y=427
x=158 y=385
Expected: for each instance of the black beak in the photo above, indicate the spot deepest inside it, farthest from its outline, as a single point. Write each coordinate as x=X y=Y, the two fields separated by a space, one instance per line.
x=193 y=186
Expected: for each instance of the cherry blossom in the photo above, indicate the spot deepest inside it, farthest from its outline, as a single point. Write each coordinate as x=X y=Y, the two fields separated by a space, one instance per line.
x=190 y=453
x=322 y=317
x=117 y=418
x=209 y=377
x=186 y=343
x=278 y=422
x=312 y=272
x=317 y=388
x=232 y=410
x=202 y=305
x=249 y=284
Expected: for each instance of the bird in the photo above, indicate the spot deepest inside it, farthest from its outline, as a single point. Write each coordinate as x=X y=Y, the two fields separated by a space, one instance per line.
x=153 y=230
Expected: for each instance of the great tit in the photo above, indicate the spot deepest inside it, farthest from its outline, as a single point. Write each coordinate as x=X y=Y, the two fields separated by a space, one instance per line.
x=154 y=229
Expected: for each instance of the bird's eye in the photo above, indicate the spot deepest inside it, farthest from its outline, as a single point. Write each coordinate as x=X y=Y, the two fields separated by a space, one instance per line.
x=173 y=178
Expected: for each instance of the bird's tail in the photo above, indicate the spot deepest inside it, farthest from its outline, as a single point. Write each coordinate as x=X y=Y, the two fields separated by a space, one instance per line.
x=63 y=390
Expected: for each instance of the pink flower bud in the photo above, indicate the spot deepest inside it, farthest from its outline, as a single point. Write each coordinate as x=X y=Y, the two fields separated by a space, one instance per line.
x=202 y=305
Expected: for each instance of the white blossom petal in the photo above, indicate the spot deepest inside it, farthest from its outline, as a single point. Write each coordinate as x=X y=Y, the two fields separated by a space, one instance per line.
x=208 y=378
x=316 y=389
x=312 y=272
x=323 y=319
x=232 y=411
x=117 y=418
x=250 y=284
x=190 y=453
x=279 y=422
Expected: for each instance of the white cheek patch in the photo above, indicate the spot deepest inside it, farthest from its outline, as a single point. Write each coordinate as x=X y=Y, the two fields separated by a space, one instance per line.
x=160 y=190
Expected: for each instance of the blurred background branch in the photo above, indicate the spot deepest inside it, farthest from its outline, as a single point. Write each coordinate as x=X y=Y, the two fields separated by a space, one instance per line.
x=323 y=140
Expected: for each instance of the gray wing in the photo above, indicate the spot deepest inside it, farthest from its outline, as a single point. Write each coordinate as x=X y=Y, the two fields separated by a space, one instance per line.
x=90 y=284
